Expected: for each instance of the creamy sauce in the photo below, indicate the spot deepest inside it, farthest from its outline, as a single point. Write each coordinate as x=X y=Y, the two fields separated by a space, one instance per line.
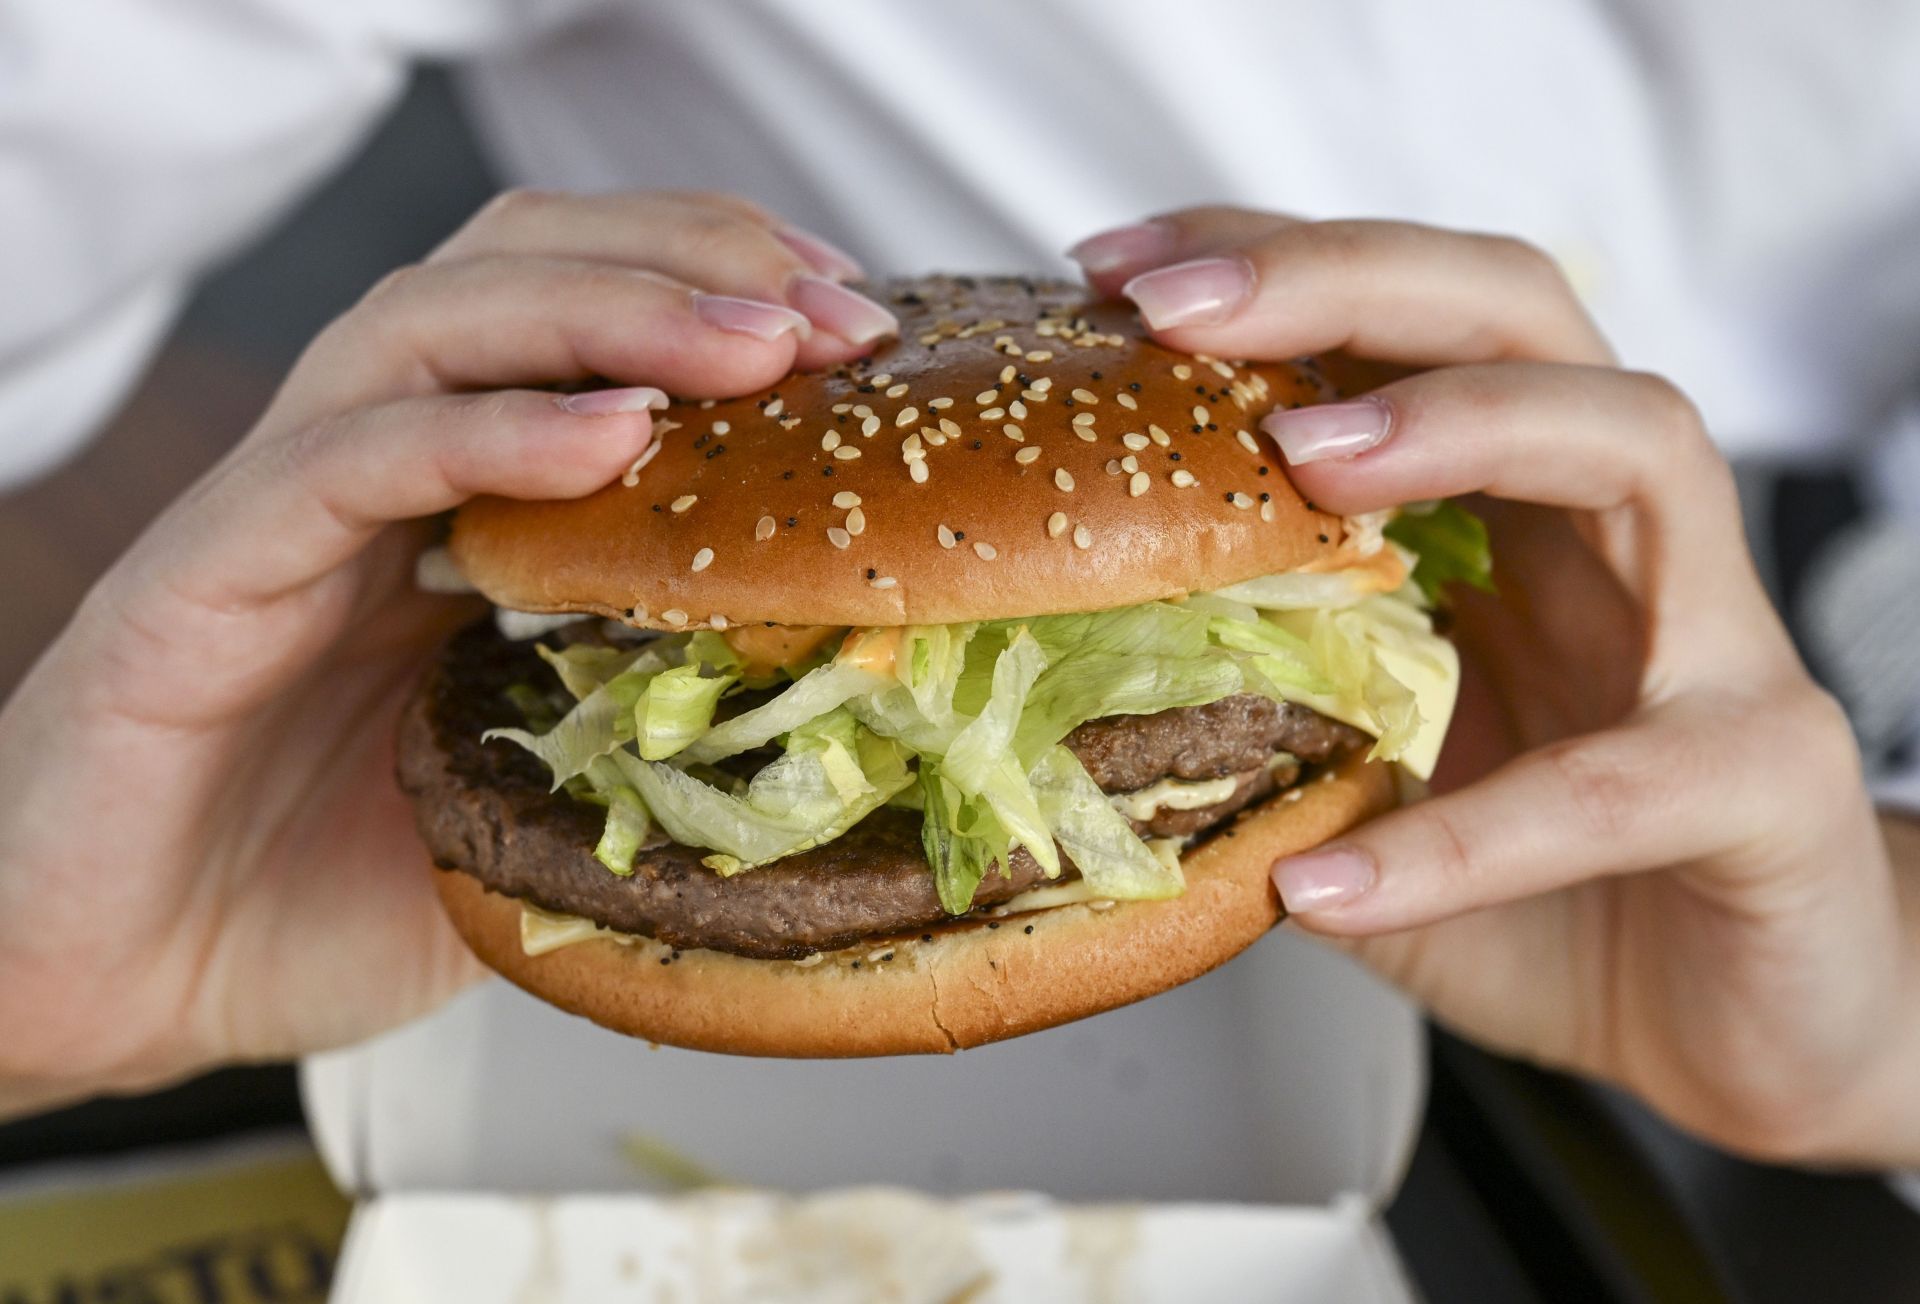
x=1173 y=794
x=766 y=648
x=873 y=650
x=1079 y=891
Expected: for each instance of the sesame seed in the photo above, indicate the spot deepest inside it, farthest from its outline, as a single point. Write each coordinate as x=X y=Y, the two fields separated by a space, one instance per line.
x=1034 y=395
x=939 y=404
x=985 y=551
x=846 y=498
x=1063 y=478
x=1126 y=401
x=1200 y=415
x=895 y=391
x=917 y=472
x=838 y=408
x=1129 y=464
x=1007 y=373
x=1056 y=525
x=846 y=452
x=857 y=521
x=949 y=427
x=1087 y=433
x=632 y=475
x=883 y=582
x=1134 y=441
x=776 y=407
x=838 y=537
x=1083 y=418
x=869 y=427
x=1043 y=384
x=706 y=404
x=830 y=440
x=1082 y=537
x=1137 y=484
x=1085 y=396
x=1018 y=409
x=674 y=616
x=1266 y=511
x=685 y=501
x=945 y=536
x=1040 y=355
x=1246 y=442
x=1242 y=501
x=862 y=410
x=906 y=417
x=763 y=529
x=1183 y=479
x=703 y=559
x=884 y=378
x=1113 y=466
x=1159 y=436
x=721 y=427
x=1013 y=432
x=1181 y=371
x=986 y=396
x=1027 y=455
x=993 y=414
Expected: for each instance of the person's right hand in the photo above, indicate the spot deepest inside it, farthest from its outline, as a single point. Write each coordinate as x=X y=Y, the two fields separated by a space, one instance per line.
x=203 y=855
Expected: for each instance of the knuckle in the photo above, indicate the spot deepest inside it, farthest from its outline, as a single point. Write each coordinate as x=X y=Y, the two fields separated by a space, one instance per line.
x=1609 y=794
x=725 y=200
x=513 y=205
x=720 y=238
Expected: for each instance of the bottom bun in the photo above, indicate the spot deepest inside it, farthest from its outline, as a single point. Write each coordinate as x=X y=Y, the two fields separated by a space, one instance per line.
x=975 y=981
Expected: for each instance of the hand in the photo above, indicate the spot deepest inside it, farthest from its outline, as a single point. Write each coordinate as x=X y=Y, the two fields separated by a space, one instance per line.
x=1651 y=858
x=203 y=856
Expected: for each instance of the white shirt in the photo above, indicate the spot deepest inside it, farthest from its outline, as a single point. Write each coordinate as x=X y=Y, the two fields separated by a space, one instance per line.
x=1732 y=185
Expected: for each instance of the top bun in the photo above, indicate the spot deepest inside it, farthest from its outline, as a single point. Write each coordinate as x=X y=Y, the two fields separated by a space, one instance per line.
x=1068 y=463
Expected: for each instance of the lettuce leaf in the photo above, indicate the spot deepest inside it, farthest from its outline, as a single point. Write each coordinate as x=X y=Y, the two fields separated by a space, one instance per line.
x=1450 y=543
x=1097 y=838
x=676 y=708
x=814 y=694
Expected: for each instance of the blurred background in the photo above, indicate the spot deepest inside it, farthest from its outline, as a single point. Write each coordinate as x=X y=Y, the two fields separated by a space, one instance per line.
x=1525 y=1186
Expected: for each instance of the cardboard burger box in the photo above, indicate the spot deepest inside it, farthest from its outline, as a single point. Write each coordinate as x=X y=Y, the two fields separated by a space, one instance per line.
x=504 y=1151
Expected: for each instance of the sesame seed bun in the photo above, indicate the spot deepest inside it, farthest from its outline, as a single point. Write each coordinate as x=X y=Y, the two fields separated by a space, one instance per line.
x=972 y=983
x=1104 y=471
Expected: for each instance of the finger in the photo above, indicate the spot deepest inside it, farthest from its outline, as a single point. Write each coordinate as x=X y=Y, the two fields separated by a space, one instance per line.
x=497 y=322
x=283 y=513
x=1389 y=290
x=1675 y=785
x=1113 y=257
x=716 y=242
x=1625 y=446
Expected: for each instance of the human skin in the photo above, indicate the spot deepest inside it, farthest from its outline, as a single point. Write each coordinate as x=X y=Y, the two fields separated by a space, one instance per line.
x=203 y=857
x=1651 y=858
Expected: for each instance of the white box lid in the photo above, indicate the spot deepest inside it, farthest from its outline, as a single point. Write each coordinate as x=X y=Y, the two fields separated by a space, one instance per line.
x=1287 y=1077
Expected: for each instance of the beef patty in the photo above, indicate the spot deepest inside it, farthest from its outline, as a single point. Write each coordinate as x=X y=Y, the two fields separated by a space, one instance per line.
x=486 y=810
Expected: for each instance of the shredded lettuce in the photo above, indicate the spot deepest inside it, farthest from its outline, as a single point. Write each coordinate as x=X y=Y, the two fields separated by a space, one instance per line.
x=1450 y=543
x=964 y=723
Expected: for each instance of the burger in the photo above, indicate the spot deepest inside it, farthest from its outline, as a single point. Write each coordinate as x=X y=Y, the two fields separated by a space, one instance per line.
x=942 y=697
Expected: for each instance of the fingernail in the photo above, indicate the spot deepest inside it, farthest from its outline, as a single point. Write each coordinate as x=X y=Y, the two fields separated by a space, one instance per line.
x=839 y=311
x=1322 y=879
x=1203 y=292
x=606 y=402
x=1138 y=245
x=826 y=258
x=1329 y=431
x=763 y=321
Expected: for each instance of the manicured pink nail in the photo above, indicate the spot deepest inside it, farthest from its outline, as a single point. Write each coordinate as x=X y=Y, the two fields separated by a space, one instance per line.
x=1124 y=247
x=763 y=321
x=1203 y=292
x=839 y=311
x=1322 y=879
x=1329 y=431
x=828 y=259
x=607 y=402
